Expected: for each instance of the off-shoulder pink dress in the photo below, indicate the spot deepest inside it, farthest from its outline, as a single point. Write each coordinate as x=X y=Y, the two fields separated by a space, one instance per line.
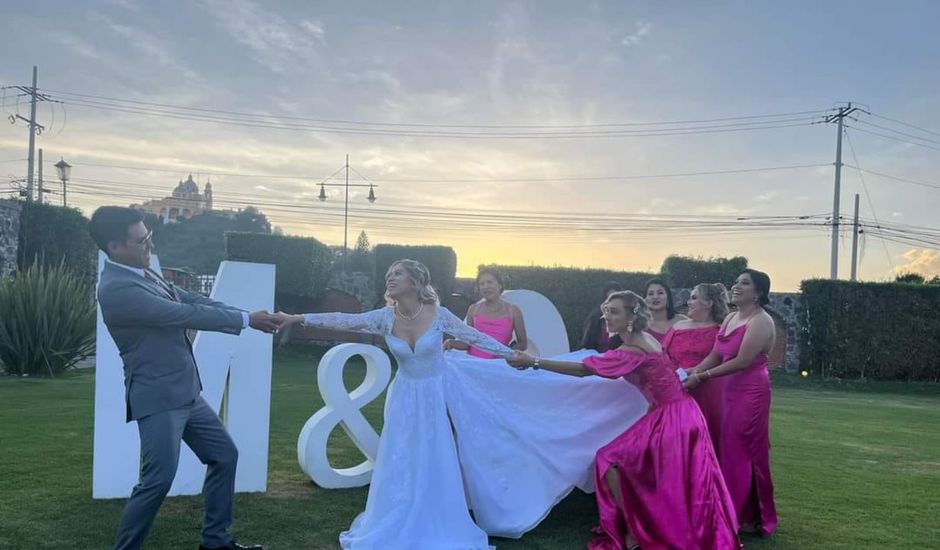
x=673 y=493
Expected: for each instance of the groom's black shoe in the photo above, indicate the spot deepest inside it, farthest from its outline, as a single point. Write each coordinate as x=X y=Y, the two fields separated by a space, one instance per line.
x=233 y=546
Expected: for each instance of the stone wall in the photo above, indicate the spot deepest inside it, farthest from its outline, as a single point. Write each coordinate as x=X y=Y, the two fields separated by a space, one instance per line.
x=9 y=236
x=357 y=284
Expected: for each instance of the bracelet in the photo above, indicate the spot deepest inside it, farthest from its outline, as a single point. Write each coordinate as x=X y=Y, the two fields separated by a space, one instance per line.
x=535 y=364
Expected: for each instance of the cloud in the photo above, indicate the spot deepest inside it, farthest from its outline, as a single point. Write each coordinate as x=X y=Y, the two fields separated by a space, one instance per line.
x=275 y=41
x=642 y=31
x=924 y=262
x=150 y=46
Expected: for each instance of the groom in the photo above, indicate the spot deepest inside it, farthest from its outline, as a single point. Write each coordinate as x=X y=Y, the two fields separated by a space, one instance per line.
x=148 y=318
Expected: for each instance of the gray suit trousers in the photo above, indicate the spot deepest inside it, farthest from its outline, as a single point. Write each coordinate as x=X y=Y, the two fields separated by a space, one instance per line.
x=160 y=435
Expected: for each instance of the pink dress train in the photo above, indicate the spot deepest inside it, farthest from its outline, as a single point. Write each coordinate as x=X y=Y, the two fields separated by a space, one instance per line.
x=687 y=348
x=745 y=436
x=673 y=494
x=497 y=328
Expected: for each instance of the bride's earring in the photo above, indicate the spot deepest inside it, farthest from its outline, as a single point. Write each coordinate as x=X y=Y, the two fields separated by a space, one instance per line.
x=630 y=326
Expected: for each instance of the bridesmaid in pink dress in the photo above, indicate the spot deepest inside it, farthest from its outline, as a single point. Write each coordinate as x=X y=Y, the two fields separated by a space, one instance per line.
x=493 y=316
x=662 y=309
x=691 y=340
x=659 y=484
x=740 y=356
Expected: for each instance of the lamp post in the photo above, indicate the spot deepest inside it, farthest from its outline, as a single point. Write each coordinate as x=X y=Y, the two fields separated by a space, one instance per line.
x=64 y=170
x=346 y=185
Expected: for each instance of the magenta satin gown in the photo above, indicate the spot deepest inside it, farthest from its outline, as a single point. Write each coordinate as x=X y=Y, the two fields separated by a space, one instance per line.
x=657 y=335
x=745 y=436
x=687 y=348
x=498 y=328
x=674 y=495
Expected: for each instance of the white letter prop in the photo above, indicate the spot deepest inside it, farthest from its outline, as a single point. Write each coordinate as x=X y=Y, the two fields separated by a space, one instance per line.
x=344 y=409
x=238 y=366
x=543 y=324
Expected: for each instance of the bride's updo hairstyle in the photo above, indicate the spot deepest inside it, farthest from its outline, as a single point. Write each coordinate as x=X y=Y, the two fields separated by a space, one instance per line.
x=420 y=277
x=636 y=305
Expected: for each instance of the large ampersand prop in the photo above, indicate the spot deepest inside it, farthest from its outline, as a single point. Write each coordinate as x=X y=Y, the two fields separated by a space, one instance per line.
x=343 y=408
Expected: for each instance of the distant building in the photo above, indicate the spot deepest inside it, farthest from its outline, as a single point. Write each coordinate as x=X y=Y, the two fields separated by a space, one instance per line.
x=186 y=201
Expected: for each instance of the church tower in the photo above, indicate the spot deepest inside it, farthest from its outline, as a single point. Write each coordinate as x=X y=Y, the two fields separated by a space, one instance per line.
x=208 y=195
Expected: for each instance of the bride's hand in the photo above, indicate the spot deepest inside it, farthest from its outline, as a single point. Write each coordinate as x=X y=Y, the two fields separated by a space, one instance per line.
x=520 y=360
x=282 y=319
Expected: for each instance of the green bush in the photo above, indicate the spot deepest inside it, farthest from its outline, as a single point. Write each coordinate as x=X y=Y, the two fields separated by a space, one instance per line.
x=441 y=261
x=876 y=331
x=686 y=272
x=48 y=321
x=575 y=292
x=53 y=235
x=302 y=263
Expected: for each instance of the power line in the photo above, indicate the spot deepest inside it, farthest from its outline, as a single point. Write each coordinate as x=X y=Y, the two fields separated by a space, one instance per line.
x=427 y=125
x=305 y=127
x=896 y=178
x=560 y=179
x=908 y=124
x=868 y=195
x=905 y=134
x=886 y=136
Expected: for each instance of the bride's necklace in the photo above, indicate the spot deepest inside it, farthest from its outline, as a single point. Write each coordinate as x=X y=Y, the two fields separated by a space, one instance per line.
x=411 y=318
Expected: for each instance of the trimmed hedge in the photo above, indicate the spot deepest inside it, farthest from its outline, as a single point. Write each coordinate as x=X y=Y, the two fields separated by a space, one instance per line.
x=56 y=235
x=575 y=292
x=878 y=331
x=686 y=272
x=441 y=261
x=302 y=263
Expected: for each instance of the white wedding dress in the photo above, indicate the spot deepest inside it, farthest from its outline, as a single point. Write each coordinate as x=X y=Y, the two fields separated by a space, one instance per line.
x=462 y=432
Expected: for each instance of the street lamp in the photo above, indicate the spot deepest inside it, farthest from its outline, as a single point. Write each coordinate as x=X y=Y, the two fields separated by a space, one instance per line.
x=322 y=197
x=64 y=170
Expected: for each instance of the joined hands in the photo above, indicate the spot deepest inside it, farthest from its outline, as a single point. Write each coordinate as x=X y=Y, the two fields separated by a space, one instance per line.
x=272 y=322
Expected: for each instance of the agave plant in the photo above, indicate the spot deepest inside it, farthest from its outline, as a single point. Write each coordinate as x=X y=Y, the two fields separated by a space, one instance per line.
x=47 y=321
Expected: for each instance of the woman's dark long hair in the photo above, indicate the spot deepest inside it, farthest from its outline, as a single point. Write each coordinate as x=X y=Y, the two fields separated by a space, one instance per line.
x=594 y=320
x=670 y=306
x=761 y=284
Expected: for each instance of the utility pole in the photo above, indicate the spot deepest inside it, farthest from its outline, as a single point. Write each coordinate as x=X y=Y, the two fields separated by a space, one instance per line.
x=32 y=136
x=834 y=257
x=34 y=127
x=39 y=179
x=855 y=241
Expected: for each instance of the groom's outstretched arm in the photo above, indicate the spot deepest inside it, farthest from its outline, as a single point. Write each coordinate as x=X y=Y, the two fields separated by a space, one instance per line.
x=129 y=305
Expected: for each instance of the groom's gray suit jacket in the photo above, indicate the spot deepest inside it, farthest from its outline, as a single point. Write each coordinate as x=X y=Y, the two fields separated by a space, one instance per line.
x=149 y=327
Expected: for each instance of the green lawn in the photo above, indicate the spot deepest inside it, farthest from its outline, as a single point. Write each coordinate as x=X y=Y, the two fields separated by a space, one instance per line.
x=854 y=468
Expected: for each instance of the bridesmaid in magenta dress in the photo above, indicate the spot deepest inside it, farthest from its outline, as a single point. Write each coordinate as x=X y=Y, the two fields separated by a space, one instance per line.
x=662 y=309
x=659 y=484
x=740 y=356
x=691 y=340
x=493 y=316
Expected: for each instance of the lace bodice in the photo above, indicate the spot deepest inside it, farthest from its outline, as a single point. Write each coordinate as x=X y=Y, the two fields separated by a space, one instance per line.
x=426 y=359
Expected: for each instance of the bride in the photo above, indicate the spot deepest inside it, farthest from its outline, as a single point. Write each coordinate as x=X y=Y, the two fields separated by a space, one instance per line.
x=512 y=443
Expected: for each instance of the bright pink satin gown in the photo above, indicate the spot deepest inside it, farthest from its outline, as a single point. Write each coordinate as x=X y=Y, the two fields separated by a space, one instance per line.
x=745 y=436
x=687 y=348
x=498 y=328
x=657 y=335
x=674 y=495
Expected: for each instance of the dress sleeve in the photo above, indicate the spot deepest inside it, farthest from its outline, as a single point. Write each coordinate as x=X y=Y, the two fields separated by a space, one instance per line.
x=371 y=322
x=465 y=333
x=615 y=363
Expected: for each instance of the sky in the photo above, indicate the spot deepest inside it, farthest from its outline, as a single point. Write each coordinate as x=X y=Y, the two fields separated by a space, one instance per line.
x=570 y=165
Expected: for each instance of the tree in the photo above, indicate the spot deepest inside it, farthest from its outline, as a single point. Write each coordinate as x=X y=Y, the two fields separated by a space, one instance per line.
x=362 y=258
x=252 y=220
x=913 y=278
x=198 y=244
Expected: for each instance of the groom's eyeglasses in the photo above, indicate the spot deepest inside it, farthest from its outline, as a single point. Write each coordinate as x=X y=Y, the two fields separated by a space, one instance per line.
x=147 y=241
